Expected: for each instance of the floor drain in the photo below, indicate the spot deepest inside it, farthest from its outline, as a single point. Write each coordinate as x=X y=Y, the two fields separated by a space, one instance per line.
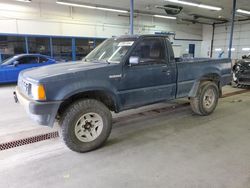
x=30 y=140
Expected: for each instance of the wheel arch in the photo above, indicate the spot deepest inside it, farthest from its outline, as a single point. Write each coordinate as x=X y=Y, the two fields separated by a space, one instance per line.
x=211 y=77
x=108 y=98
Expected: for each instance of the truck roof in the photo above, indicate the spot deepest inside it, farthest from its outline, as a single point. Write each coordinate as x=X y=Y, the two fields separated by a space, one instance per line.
x=139 y=36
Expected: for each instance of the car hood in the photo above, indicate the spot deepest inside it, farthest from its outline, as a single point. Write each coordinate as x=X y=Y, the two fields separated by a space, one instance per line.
x=3 y=66
x=245 y=63
x=69 y=68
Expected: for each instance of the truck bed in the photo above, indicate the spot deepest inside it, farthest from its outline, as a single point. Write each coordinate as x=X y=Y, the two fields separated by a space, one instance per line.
x=190 y=71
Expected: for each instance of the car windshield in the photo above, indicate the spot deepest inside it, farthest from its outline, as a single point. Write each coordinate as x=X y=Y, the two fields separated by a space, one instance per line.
x=8 y=61
x=111 y=50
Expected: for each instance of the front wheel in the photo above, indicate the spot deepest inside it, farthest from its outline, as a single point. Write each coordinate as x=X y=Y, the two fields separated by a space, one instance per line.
x=86 y=125
x=206 y=100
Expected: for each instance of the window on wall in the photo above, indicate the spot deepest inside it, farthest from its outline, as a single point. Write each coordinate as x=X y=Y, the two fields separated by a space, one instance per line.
x=40 y=45
x=98 y=41
x=62 y=49
x=11 y=45
x=83 y=47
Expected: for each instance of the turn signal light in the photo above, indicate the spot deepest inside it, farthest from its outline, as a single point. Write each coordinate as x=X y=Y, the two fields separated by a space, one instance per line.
x=41 y=93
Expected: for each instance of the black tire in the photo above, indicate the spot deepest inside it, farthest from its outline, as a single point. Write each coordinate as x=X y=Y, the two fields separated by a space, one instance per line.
x=197 y=103
x=71 y=117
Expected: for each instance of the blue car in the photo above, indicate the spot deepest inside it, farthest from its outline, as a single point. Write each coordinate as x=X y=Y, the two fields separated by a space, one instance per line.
x=10 y=68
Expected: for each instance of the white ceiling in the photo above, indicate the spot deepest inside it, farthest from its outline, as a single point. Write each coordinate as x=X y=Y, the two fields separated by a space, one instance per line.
x=149 y=6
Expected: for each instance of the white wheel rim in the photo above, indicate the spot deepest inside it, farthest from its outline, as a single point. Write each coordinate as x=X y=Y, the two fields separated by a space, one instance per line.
x=89 y=127
x=209 y=98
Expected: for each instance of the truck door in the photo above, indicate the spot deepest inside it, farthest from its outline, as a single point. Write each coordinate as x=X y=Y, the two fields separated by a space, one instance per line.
x=152 y=79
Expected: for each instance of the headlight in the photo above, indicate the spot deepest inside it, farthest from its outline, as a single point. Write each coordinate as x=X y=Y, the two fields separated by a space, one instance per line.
x=237 y=68
x=38 y=92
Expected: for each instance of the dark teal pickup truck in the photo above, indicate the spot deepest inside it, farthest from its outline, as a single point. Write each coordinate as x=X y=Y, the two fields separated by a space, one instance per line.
x=122 y=73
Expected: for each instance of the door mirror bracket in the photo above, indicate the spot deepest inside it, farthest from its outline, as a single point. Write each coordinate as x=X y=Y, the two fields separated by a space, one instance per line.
x=15 y=63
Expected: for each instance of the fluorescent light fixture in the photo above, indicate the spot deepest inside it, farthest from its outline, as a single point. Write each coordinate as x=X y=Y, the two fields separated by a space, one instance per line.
x=245 y=49
x=91 y=7
x=25 y=1
x=218 y=49
x=195 y=5
x=243 y=11
x=166 y=17
x=232 y=49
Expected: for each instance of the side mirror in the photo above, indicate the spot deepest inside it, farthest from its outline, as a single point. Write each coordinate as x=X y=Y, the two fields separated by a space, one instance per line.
x=15 y=63
x=134 y=60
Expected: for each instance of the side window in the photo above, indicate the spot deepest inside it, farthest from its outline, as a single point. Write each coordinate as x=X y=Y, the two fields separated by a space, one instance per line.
x=28 y=60
x=150 y=51
x=43 y=60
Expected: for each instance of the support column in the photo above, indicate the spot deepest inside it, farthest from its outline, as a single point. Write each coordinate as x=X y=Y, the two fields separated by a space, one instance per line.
x=212 y=42
x=73 y=49
x=26 y=45
x=232 y=29
x=51 y=47
x=131 y=17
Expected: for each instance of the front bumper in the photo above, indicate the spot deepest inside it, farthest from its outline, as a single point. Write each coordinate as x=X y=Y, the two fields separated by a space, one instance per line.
x=244 y=78
x=44 y=113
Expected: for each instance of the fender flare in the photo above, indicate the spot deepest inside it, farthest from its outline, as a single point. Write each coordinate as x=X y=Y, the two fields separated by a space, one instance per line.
x=211 y=77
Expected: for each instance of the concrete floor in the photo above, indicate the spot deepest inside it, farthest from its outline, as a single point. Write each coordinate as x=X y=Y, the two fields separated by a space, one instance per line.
x=171 y=149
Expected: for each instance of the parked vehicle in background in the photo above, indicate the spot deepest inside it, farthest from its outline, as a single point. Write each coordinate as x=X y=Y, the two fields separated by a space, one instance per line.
x=241 y=72
x=122 y=73
x=11 y=67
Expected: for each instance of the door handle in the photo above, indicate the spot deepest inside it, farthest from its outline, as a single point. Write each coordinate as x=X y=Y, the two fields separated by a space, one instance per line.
x=168 y=72
x=164 y=70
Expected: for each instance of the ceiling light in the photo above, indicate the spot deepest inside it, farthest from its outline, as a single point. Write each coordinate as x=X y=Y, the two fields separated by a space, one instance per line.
x=195 y=5
x=166 y=17
x=245 y=49
x=232 y=49
x=218 y=49
x=25 y=1
x=243 y=11
x=91 y=7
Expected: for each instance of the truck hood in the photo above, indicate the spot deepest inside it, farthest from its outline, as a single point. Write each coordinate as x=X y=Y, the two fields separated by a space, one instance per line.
x=69 y=68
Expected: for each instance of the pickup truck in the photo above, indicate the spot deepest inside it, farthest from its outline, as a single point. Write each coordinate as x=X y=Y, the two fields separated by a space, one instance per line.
x=241 y=72
x=122 y=73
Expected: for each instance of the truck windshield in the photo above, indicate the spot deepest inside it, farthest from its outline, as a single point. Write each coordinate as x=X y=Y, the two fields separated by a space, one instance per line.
x=111 y=50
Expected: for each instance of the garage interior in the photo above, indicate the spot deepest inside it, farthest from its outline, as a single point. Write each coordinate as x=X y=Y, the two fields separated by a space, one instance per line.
x=158 y=145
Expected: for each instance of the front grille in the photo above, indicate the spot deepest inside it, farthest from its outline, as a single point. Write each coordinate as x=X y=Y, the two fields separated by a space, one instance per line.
x=244 y=79
x=24 y=86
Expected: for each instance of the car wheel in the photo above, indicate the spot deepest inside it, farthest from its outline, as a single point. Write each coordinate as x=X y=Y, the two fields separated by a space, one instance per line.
x=86 y=125
x=206 y=100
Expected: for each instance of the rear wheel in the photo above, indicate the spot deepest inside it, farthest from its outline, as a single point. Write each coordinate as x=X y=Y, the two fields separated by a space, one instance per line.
x=86 y=125
x=206 y=100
